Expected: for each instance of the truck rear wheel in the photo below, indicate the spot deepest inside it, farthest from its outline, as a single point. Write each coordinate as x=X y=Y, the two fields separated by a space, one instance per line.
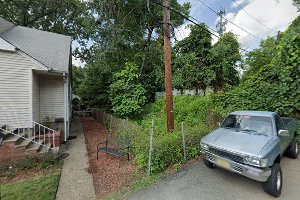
x=293 y=150
x=273 y=185
x=208 y=164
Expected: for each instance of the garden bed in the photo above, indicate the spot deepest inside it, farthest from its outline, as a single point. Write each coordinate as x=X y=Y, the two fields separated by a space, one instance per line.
x=110 y=174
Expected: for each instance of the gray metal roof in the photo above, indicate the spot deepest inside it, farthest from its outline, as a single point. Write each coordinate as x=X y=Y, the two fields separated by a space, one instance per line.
x=50 y=49
x=254 y=113
x=5 y=25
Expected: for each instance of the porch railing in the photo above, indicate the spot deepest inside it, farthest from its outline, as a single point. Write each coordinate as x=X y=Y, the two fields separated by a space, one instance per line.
x=41 y=131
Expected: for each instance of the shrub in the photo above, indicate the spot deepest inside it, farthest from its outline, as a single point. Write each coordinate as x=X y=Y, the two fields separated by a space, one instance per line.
x=168 y=147
x=274 y=86
x=127 y=95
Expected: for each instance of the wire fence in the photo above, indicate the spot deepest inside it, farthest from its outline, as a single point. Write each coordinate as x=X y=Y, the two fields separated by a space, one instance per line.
x=155 y=150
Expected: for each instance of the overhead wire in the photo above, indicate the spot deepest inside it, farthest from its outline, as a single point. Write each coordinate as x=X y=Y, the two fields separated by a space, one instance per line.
x=252 y=16
x=211 y=9
x=195 y=23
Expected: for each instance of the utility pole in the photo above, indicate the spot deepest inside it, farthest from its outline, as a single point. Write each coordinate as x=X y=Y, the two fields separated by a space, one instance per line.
x=168 y=69
x=221 y=24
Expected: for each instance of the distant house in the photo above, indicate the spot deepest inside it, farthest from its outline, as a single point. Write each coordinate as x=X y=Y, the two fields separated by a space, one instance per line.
x=35 y=77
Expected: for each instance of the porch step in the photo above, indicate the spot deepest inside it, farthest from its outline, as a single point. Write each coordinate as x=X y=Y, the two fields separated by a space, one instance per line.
x=23 y=142
x=33 y=146
x=11 y=138
x=43 y=149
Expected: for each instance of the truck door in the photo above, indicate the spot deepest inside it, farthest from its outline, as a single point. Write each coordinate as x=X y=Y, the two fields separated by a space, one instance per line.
x=284 y=140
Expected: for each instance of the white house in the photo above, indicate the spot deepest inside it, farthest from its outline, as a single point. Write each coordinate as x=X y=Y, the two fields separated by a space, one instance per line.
x=35 y=77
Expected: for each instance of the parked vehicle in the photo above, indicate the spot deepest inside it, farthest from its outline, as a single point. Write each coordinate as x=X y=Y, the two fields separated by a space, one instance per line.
x=251 y=143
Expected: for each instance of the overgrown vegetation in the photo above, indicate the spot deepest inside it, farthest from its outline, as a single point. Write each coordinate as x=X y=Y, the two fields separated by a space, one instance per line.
x=127 y=95
x=273 y=81
x=168 y=147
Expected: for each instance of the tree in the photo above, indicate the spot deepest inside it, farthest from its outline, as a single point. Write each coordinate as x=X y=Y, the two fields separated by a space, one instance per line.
x=297 y=4
x=261 y=56
x=225 y=57
x=77 y=78
x=94 y=90
x=68 y=17
x=126 y=93
x=127 y=32
x=274 y=86
x=192 y=59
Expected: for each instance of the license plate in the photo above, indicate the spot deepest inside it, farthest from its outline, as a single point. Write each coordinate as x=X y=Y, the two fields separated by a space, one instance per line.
x=223 y=163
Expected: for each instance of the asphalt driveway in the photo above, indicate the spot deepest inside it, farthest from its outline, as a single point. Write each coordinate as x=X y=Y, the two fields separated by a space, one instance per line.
x=200 y=182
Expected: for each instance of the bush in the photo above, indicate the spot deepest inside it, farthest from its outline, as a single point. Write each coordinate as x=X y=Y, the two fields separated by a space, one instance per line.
x=127 y=95
x=168 y=147
x=274 y=86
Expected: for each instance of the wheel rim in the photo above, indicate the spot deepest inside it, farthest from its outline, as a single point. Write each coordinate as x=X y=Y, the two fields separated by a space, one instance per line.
x=278 y=184
x=296 y=148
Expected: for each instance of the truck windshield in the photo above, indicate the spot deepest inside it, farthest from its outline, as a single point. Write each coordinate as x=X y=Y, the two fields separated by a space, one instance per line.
x=256 y=124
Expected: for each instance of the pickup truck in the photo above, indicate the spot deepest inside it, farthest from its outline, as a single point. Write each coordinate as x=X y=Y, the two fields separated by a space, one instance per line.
x=251 y=143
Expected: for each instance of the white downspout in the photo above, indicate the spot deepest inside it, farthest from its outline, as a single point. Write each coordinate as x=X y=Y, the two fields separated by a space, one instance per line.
x=66 y=133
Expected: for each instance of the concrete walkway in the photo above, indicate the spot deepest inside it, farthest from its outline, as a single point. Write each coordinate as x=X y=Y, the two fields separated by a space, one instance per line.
x=75 y=181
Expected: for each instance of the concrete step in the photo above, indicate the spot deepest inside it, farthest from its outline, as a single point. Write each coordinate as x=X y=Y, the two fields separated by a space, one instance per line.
x=33 y=146
x=43 y=149
x=23 y=142
x=11 y=138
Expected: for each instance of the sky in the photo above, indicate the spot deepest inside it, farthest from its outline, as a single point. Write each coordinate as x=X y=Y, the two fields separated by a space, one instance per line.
x=273 y=16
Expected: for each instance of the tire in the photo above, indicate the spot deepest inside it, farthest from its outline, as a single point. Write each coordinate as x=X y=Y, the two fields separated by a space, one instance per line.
x=208 y=164
x=293 y=150
x=273 y=185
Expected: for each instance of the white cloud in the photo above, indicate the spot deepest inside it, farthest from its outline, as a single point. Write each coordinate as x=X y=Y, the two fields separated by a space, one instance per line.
x=276 y=15
x=239 y=2
x=77 y=62
x=182 y=32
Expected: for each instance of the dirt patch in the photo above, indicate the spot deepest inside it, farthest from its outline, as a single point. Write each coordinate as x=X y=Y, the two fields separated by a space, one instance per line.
x=110 y=174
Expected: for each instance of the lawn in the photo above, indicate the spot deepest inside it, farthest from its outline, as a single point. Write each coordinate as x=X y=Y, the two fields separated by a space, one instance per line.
x=43 y=187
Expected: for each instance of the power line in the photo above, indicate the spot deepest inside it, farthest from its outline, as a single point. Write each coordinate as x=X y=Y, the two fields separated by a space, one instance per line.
x=230 y=21
x=252 y=16
x=195 y=23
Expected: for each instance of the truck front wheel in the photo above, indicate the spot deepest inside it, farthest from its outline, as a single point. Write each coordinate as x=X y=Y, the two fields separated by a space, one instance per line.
x=208 y=164
x=274 y=183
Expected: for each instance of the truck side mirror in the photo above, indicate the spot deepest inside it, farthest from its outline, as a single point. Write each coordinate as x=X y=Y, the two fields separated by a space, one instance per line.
x=283 y=133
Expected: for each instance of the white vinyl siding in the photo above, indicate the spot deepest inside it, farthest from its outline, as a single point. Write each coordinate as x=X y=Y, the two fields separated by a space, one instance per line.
x=35 y=97
x=15 y=89
x=51 y=97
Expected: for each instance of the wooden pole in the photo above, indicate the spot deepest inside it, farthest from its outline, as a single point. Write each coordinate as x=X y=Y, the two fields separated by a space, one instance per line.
x=168 y=69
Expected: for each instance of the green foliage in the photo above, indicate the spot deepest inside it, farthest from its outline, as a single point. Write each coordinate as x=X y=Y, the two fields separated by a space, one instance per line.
x=198 y=64
x=41 y=188
x=94 y=90
x=261 y=56
x=28 y=162
x=297 y=4
x=126 y=93
x=274 y=86
x=167 y=147
x=47 y=161
x=68 y=17
x=77 y=78
x=225 y=59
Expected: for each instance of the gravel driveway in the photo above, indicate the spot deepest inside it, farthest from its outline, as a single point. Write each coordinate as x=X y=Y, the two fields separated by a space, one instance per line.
x=200 y=182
